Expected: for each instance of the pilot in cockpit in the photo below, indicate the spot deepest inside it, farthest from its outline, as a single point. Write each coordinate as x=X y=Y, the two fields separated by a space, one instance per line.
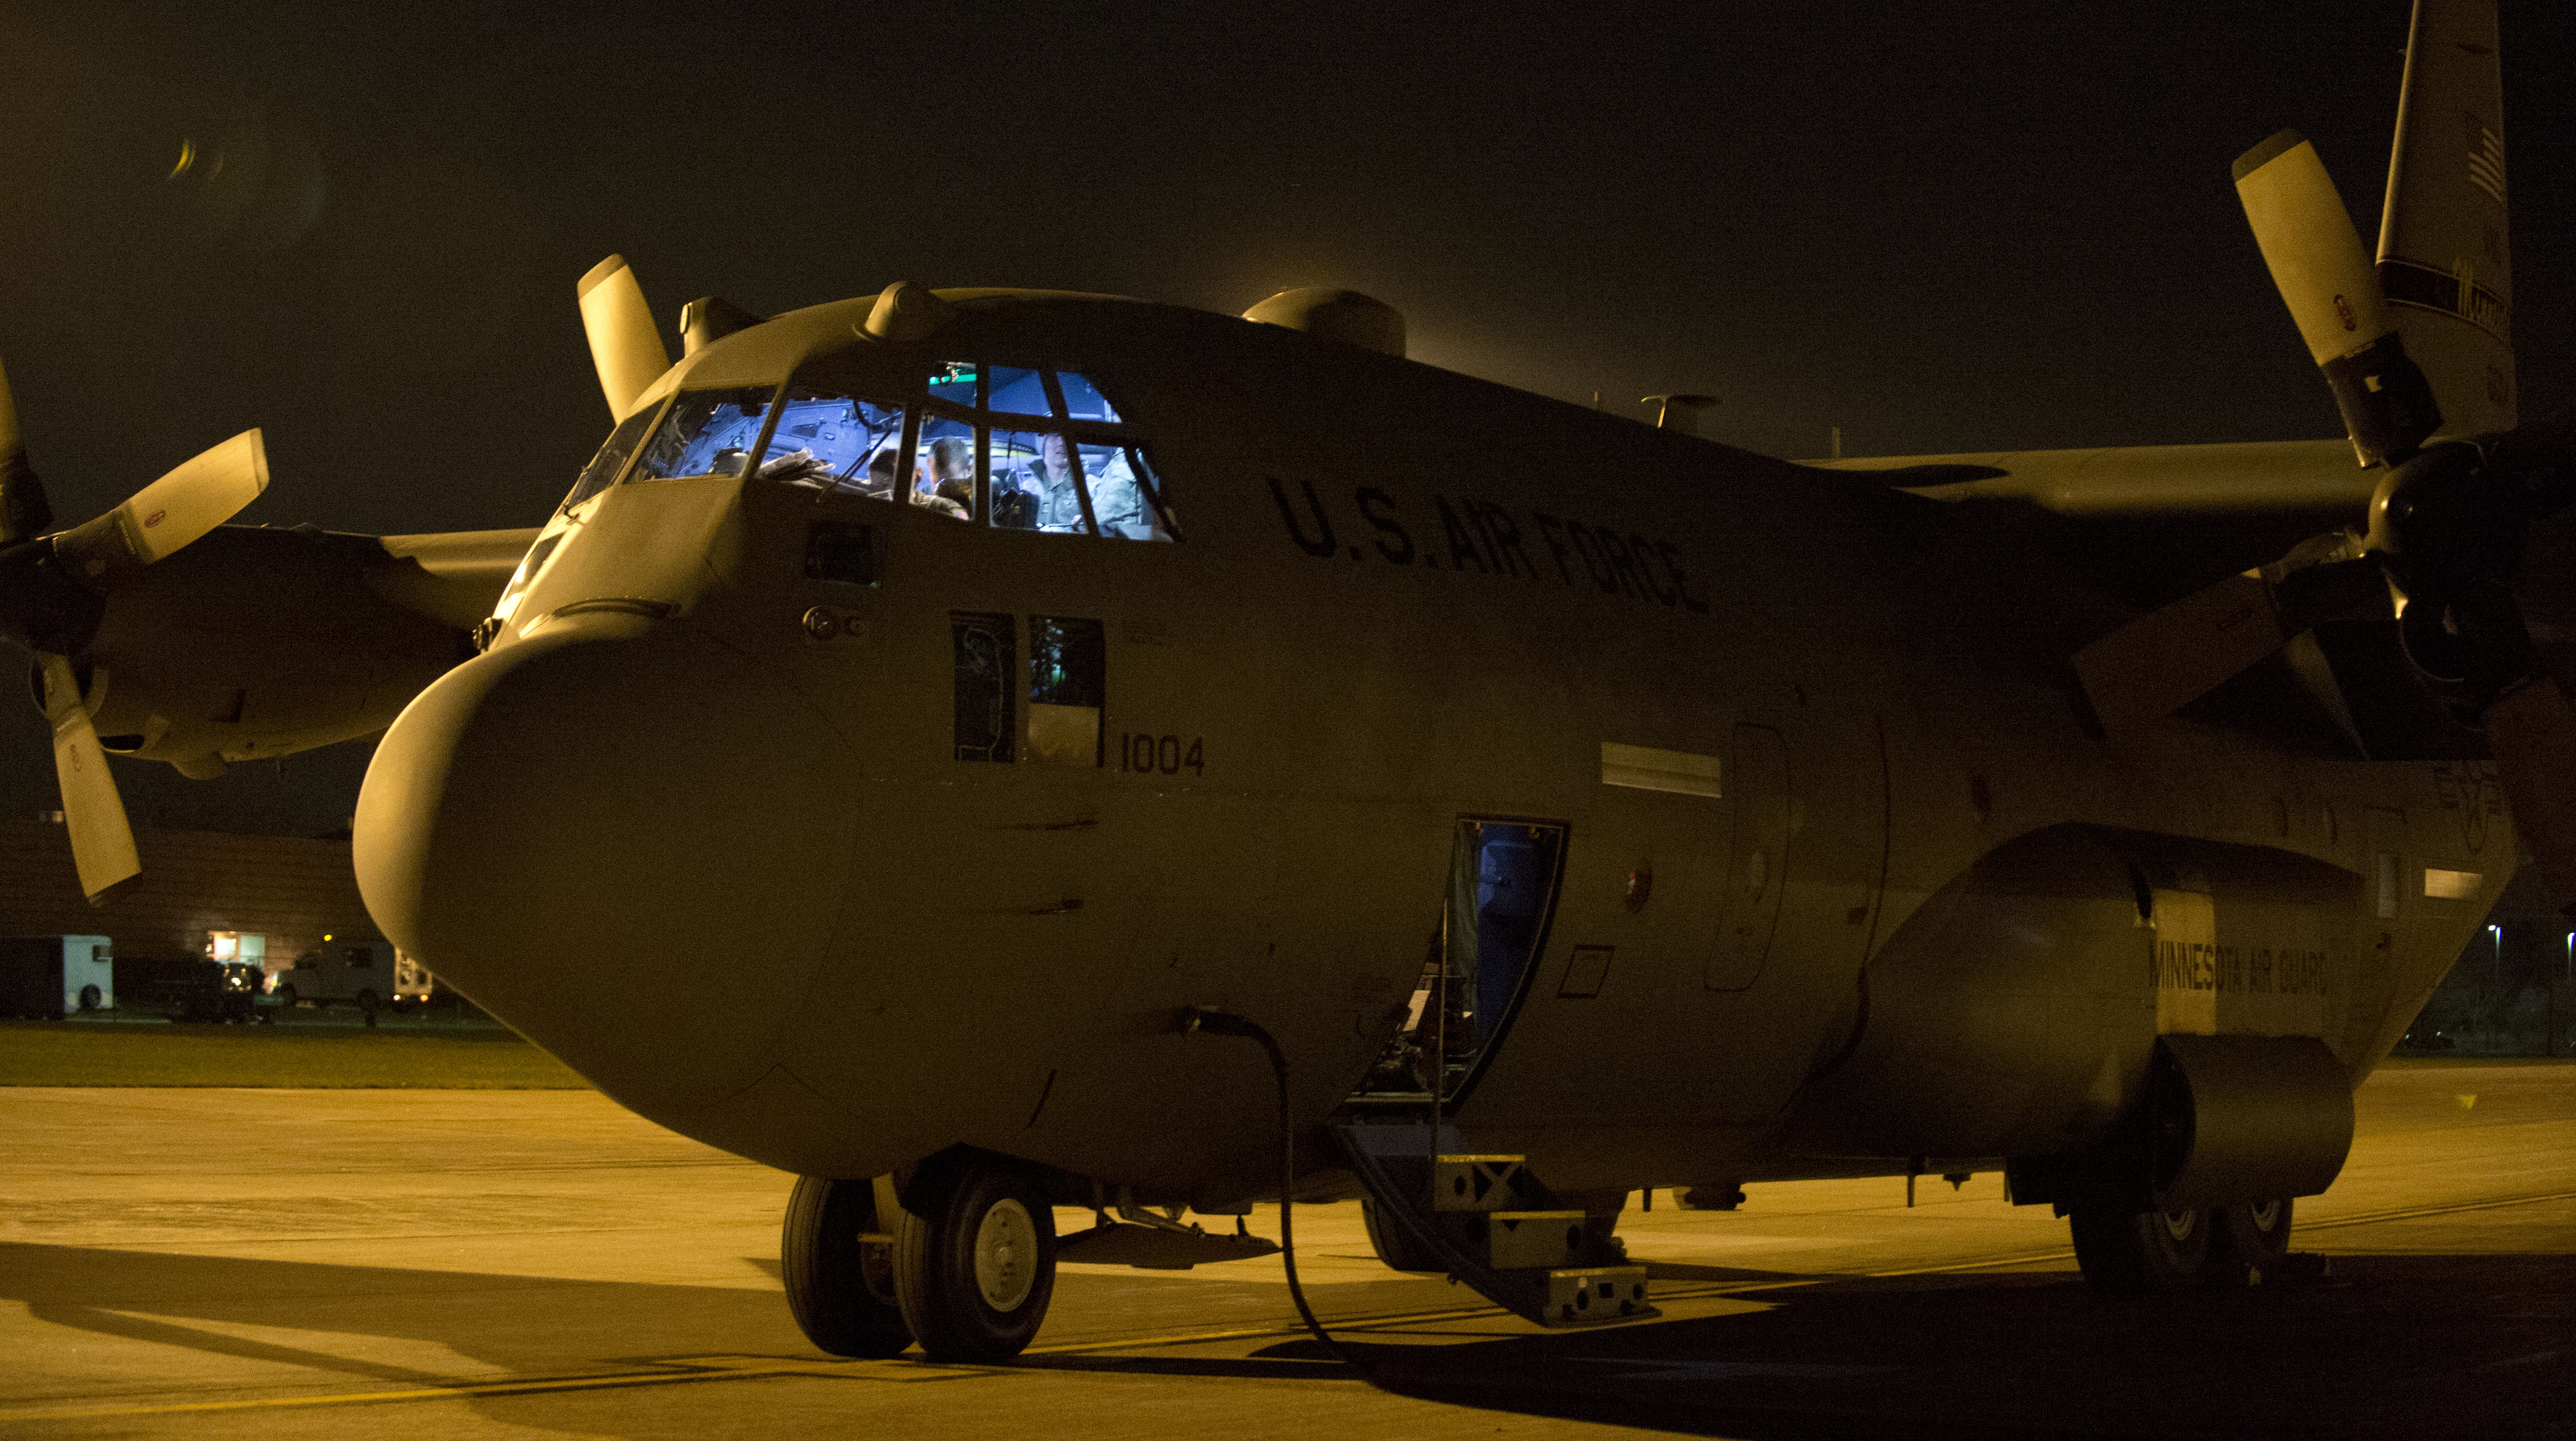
x=947 y=484
x=880 y=482
x=1059 y=504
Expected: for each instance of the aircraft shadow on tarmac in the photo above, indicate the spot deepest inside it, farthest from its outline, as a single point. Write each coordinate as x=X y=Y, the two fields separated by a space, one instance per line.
x=516 y=1322
x=2394 y=1345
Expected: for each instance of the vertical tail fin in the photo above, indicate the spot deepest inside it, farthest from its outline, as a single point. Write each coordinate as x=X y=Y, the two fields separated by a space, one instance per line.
x=2443 y=261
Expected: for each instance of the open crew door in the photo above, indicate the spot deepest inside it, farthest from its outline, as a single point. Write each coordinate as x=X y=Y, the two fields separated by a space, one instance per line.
x=1495 y=908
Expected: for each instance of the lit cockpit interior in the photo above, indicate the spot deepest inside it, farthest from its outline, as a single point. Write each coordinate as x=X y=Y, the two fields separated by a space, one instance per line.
x=1012 y=448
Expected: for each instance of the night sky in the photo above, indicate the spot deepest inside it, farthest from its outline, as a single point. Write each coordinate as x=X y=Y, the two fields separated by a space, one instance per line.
x=1940 y=228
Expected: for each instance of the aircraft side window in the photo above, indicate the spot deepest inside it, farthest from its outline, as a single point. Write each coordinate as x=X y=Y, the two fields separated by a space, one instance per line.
x=706 y=432
x=1036 y=484
x=829 y=441
x=985 y=675
x=602 y=470
x=1068 y=664
x=943 y=468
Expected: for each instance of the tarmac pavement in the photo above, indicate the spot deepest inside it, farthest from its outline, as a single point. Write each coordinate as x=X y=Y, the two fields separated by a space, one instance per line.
x=510 y=1263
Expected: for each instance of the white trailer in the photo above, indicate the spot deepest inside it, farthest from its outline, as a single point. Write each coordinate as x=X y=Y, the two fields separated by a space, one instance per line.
x=52 y=976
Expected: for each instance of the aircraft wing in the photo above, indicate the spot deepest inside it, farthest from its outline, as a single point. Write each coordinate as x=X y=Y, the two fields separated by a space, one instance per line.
x=2142 y=481
x=453 y=577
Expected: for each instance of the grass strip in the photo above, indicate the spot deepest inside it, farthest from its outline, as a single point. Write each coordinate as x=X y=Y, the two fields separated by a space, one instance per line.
x=352 y=1057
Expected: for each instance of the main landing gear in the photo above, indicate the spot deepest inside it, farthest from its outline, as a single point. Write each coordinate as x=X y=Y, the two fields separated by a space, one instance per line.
x=967 y=1273
x=2124 y=1254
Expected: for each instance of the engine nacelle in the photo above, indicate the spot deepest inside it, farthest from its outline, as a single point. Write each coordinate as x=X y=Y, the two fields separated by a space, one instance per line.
x=254 y=643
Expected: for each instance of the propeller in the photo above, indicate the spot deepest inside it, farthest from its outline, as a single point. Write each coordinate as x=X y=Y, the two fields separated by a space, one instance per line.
x=623 y=343
x=54 y=588
x=2445 y=532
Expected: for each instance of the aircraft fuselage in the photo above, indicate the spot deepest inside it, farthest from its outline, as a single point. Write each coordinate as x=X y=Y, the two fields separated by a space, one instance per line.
x=697 y=823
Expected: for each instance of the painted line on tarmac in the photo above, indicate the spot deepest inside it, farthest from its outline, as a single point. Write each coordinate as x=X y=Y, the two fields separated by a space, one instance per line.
x=1381 y=1322
x=2364 y=1218
x=2410 y=1213
x=704 y=1368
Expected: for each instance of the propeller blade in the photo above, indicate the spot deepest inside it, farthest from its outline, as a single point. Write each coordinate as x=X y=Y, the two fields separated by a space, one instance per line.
x=2164 y=660
x=2325 y=277
x=24 y=513
x=161 y=518
x=623 y=343
x=2157 y=664
x=2531 y=731
x=102 y=842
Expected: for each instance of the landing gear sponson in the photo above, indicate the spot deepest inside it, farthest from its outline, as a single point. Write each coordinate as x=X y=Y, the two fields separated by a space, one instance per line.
x=2158 y=1206
x=2127 y=1254
x=967 y=1271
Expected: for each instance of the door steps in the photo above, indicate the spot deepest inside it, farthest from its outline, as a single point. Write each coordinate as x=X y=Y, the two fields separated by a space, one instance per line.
x=1494 y=1226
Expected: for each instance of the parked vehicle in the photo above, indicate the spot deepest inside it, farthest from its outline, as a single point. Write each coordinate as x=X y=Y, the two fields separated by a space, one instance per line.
x=195 y=988
x=366 y=974
x=49 y=977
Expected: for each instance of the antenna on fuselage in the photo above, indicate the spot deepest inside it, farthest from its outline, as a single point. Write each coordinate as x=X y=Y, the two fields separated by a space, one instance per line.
x=1679 y=412
x=1343 y=315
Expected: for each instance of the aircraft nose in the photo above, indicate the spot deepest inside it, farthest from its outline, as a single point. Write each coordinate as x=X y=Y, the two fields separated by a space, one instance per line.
x=622 y=837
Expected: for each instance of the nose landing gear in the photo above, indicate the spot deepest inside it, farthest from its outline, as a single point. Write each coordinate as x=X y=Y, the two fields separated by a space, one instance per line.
x=968 y=1273
x=974 y=1265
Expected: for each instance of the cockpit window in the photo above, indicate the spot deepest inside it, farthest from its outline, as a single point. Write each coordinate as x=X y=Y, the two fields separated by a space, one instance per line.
x=1083 y=400
x=1013 y=447
x=1122 y=493
x=826 y=441
x=943 y=467
x=958 y=382
x=706 y=432
x=1035 y=486
x=602 y=470
x=1017 y=392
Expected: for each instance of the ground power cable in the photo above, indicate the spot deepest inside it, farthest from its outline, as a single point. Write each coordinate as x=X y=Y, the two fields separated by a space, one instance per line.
x=1223 y=1023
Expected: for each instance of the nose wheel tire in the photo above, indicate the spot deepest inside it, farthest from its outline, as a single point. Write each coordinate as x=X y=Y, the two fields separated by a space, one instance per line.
x=974 y=1261
x=840 y=1287
x=2128 y=1254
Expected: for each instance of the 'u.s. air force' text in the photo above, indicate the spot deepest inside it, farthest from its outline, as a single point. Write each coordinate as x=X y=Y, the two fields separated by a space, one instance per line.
x=1478 y=536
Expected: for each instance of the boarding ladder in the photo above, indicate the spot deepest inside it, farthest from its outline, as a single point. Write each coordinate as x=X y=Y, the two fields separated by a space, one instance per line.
x=1490 y=1223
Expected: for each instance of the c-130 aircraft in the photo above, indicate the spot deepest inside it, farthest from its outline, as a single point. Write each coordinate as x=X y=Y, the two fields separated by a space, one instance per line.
x=1177 y=760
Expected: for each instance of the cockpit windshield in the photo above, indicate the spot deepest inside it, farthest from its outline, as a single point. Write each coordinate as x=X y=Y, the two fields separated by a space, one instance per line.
x=602 y=470
x=829 y=442
x=1010 y=447
x=706 y=432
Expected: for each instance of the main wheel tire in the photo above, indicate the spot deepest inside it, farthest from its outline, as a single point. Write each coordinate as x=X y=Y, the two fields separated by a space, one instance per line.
x=840 y=1289
x=1392 y=1245
x=90 y=997
x=2128 y=1254
x=974 y=1265
x=2255 y=1235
